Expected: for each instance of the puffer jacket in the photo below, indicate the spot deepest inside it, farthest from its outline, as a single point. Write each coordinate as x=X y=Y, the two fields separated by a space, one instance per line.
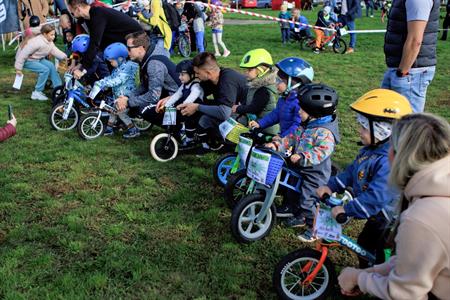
x=422 y=261
x=121 y=80
x=285 y=113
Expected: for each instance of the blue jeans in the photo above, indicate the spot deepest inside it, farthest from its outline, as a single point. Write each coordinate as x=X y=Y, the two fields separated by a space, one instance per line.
x=413 y=86
x=199 y=36
x=351 y=26
x=285 y=35
x=43 y=68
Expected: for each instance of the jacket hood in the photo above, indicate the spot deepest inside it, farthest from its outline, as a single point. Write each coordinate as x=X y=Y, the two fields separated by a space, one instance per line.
x=433 y=181
x=268 y=79
x=382 y=149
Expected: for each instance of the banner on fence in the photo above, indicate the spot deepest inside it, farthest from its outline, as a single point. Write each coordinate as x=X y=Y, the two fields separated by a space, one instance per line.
x=9 y=19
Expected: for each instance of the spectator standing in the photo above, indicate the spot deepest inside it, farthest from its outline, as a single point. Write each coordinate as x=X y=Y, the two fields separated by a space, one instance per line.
x=350 y=11
x=410 y=49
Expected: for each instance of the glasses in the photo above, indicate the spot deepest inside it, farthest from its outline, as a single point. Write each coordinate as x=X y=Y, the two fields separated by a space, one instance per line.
x=131 y=47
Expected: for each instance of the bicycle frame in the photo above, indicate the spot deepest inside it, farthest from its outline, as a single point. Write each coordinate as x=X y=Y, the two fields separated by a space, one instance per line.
x=282 y=179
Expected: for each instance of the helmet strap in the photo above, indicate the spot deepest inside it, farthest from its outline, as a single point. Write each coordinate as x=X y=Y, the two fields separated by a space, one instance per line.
x=289 y=87
x=262 y=71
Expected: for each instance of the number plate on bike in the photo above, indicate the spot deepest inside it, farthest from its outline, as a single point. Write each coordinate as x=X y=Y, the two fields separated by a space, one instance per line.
x=258 y=166
x=170 y=116
x=244 y=148
x=325 y=226
x=343 y=31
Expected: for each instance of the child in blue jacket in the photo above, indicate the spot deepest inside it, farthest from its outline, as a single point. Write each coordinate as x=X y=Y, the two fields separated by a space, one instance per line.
x=122 y=82
x=292 y=73
x=369 y=172
x=311 y=145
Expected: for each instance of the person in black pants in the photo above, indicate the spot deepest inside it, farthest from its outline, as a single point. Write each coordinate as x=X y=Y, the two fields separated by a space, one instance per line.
x=446 y=24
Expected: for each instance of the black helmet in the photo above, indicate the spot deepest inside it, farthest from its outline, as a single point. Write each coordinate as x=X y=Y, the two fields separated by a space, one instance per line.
x=35 y=21
x=185 y=66
x=318 y=100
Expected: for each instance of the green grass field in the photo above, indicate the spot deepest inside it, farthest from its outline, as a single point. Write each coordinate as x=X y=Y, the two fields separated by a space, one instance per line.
x=103 y=220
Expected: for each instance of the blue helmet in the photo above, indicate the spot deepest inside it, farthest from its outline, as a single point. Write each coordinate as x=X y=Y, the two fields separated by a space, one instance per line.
x=80 y=43
x=295 y=67
x=115 y=51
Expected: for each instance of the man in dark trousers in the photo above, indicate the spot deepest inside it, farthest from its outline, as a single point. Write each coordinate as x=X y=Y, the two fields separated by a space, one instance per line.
x=105 y=26
x=410 y=49
x=350 y=11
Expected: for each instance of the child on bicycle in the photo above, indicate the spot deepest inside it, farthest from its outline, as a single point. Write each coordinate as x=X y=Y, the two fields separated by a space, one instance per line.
x=311 y=145
x=261 y=95
x=292 y=73
x=189 y=91
x=369 y=172
x=122 y=82
x=98 y=69
x=323 y=20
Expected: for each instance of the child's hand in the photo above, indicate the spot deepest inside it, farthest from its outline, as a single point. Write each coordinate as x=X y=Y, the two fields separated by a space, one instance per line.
x=295 y=158
x=234 y=108
x=323 y=190
x=19 y=72
x=253 y=124
x=271 y=146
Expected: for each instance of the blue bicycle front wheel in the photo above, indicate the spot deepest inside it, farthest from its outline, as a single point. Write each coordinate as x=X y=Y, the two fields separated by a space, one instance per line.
x=222 y=168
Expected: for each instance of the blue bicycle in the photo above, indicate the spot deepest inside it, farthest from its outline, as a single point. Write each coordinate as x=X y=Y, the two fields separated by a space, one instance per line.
x=309 y=274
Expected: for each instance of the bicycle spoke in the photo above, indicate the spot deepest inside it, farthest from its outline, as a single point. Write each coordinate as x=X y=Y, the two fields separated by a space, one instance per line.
x=249 y=228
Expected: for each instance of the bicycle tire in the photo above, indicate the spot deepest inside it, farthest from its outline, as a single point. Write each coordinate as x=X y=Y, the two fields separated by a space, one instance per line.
x=339 y=46
x=285 y=269
x=184 y=46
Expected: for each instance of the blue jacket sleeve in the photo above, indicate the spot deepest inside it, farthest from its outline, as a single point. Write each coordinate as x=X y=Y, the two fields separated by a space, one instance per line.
x=339 y=182
x=296 y=123
x=376 y=196
x=270 y=119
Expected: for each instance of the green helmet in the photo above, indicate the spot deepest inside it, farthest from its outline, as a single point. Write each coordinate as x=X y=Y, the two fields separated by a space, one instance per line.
x=256 y=58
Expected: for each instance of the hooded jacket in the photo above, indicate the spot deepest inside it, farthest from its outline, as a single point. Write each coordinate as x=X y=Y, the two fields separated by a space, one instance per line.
x=122 y=79
x=261 y=99
x=422 y=263
x=368 y=177
x=285 y=113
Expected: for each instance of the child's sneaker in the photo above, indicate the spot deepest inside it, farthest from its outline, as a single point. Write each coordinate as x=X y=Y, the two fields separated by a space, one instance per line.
x=316 y=51
x=217 y=54
x=226 y=53
x=307 y=236
x=285 y=211
x=109 y=131
x=131 y=133
x=295 y=221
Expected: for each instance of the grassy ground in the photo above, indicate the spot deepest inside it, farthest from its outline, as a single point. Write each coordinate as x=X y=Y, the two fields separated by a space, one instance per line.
x=101 y=219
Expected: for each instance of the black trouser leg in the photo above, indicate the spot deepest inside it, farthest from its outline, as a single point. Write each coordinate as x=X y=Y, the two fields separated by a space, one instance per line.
x=373 y=238
x=445 y=26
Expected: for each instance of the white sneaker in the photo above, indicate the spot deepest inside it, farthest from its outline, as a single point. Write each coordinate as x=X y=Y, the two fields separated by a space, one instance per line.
x=217 y=54
x=40 y=96
x=226 y=53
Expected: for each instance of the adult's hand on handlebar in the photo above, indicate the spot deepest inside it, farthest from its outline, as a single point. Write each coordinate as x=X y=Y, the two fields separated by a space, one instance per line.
x=121 y=103
x=295 y=158
x=348 y=280
x=323 y=190
x=161 y=104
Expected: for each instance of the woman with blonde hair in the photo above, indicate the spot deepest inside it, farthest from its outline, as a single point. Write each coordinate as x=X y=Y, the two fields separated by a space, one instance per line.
x=420 y=157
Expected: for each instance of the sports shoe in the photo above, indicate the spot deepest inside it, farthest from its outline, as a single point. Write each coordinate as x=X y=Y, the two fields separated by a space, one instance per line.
x=295 y=221
x=316 y=51
x=349 y=50
x=39 y=96
x=285 y=211
x=109 y=131
x=307 y=236
x=226 y=53
x=131 y=133
x=217 y=54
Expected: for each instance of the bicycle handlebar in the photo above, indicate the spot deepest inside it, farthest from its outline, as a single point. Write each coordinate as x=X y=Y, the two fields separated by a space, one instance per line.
x=330 y=201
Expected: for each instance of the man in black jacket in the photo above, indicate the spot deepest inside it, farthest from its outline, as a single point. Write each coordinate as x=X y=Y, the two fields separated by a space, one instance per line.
x=105 y=26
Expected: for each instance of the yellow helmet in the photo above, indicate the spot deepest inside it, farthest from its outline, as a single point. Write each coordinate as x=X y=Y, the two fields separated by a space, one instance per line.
x=382 y=104
x=256 y=58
